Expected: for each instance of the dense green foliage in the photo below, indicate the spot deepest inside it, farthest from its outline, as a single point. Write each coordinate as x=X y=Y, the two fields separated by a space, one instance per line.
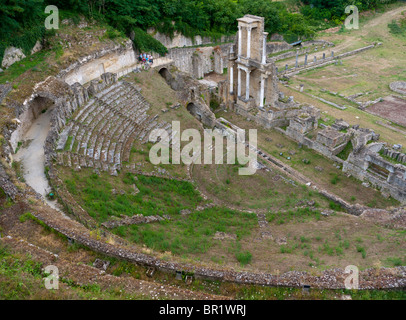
x=20 y=24
x=21 y=21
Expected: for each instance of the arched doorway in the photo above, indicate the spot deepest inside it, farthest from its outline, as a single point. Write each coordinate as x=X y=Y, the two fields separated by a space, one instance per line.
x=40 y=105
x=164 y=72
x=194 y=111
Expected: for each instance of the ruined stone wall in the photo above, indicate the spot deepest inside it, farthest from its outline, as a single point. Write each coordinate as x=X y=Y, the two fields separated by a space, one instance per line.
x=119 y=59
x=200 y=61
x=376 y=182
x=274 y=47
x=358 y=164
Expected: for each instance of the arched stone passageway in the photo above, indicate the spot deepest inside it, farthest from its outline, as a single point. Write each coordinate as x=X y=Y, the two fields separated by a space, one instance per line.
x=194 y=111
x=39 y=105
x=164 y=72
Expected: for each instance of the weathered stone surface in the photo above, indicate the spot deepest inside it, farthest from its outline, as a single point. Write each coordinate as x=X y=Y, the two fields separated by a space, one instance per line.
x=6 y=184
x=12 y=55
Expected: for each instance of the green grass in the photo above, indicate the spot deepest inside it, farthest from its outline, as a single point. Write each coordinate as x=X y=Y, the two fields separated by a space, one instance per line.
x=362 y=251
x=157 y=196
x=396 y=261
x=346 y=151
x=37 y=61
x=22 y=278
x=68 y=143
x=398 y=28
x=299 y=215
x=191 y=234
x=244 y=257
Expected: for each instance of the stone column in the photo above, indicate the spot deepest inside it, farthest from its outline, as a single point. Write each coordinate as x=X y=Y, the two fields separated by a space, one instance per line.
x=332 y=54
x=231 y=79
x=239 y=83
x=297 y=59
x=247 y=85
x=248 y=42
x=315 y=59
x=324 y=56
x=239 y=40
x=262 y=92
x=264 y=49
x=305 y=63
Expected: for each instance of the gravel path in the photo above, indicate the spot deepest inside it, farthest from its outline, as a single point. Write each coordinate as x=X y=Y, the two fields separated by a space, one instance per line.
x=33 y=158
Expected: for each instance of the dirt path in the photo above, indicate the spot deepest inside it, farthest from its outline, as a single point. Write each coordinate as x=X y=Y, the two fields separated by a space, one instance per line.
x=33 y=158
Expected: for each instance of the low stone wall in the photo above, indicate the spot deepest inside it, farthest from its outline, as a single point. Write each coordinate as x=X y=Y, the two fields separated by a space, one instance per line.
x=399 y=87
x=322 y=62
x=301 y=49
x=275 y=47
x=317 y=43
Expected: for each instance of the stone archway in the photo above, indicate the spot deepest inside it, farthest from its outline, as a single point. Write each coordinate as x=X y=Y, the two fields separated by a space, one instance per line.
x=164 y=72
x=194 y=111
x=39 y=105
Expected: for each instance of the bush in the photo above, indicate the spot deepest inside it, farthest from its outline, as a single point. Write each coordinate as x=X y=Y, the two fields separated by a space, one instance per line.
x=146 y=43
x=362 y=251
x=335 y=179
x=244 y=257
x=334 y=206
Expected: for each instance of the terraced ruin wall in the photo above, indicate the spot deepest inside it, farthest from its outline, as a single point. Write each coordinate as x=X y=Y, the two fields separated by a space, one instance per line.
x=121 y=60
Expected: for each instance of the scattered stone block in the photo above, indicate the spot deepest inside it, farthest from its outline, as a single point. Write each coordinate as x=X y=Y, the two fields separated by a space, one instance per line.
x=185 y=212
x=224 y=236
x=101 y=264
x=281 y=240
x=266 y=235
